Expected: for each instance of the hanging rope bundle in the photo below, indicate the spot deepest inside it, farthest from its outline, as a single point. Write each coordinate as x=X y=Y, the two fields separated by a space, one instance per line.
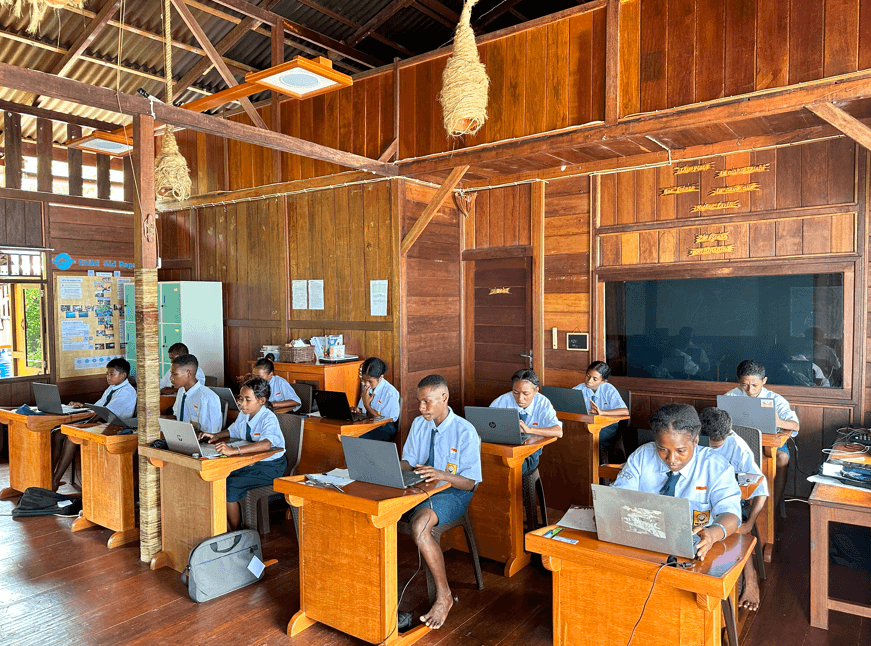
x=38 y=9
x=172 y=180
x=464 y=83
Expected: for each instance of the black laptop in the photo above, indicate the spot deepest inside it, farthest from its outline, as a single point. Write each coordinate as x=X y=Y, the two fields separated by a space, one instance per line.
x=566 y=400
x=111 y=418
x=334 y=405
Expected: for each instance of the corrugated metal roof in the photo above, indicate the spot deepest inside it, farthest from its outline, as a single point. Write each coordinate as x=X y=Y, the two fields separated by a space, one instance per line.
x=141 y=49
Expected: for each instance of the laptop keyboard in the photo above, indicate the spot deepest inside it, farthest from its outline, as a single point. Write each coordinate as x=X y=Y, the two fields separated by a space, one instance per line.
x=410 y=478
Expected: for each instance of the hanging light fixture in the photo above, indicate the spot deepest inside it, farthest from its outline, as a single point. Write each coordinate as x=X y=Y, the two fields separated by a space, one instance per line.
x=301 y=78
x=105 y=143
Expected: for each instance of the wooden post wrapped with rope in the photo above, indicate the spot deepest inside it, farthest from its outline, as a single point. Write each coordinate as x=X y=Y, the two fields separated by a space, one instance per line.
x=147 y=333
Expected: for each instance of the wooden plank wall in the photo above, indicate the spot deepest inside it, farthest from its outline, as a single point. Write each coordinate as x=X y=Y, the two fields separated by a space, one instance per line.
x=502 y=217
x=21 y=223
x=679 y=52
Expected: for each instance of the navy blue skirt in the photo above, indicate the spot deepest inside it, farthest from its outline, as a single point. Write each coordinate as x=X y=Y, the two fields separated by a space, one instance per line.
x=259 y=474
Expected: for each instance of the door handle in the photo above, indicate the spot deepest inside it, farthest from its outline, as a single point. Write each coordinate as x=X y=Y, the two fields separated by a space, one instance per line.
x=528 y=356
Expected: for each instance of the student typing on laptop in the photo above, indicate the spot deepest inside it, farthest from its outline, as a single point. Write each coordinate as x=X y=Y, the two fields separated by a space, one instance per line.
x=256 y=424
x=119 y=397
x=440 y=446
x=751 y=383
x=674 y=465
x=194 y=402
x=177 y=350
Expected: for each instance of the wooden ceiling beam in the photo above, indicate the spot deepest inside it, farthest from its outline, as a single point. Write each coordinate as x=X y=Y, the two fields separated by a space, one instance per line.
x=376 y=21
x=451 y=17
x=64 y=89
x=432 y=14
x=215 y=57
x=496 y=12
x=63 y=117
x=86 y=37
x=848 y=124
x=353 y=25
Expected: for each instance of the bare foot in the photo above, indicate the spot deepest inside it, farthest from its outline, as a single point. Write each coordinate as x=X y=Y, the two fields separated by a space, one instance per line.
x=750 y=597
x=438 y=613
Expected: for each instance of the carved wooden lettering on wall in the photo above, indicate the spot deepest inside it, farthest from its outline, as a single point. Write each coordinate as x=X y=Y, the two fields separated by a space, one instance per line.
x=499 y=290
x=678 y=190
x=711 y=237
x=695 y=168
x=714 y=206
x=744 y=170
x=737 y=188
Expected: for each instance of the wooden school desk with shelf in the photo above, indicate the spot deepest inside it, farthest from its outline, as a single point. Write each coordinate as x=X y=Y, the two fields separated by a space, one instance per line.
x=339 y=377
x=322 y=444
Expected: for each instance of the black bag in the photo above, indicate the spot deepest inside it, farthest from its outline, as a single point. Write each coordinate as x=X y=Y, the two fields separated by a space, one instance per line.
x=220 y=565
x=42 y=502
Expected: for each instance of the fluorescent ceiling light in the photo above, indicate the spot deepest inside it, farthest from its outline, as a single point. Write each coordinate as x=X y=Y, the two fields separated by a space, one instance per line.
x=301 y=78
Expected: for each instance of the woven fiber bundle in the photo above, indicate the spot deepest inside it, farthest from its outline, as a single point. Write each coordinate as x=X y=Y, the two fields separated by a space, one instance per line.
x=38 y=9
x=465 y=85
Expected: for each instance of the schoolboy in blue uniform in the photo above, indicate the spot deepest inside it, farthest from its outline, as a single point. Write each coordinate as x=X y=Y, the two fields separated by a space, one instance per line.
x=119 y=397
x=440 y=446
x=603 y=399
x=283 y=397
x=177 y=350
x=378 y=398
x=674 y=465
x=537 y=415
x=717 y=425
x=259 y=425
x=751 y=383
x=194 y=402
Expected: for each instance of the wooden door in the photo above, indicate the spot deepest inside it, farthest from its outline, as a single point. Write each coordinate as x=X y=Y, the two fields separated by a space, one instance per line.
x=502 y=326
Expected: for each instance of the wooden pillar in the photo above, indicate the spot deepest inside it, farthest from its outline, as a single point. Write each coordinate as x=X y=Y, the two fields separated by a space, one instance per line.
x=275 y=106
x=103 y=183
x=74 y=159
x=44 y=155
x=147 y=347
x=537 y=215
x=12 y=148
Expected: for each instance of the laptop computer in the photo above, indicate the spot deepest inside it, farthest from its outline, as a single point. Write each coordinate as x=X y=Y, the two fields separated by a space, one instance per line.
x=334 y=405
x=750 y=411
x=47 y=398
x=226 y=395
x=115 y=420
x=496 y=425
x=566 y=400
x=648 y=521
x=345 y=359
x=376 y=462
x=182 y=438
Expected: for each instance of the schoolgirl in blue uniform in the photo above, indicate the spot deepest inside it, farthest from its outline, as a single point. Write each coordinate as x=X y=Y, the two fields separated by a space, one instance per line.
x=282 y=395
x=378 y=398
x=603 y=399
x=259 y=425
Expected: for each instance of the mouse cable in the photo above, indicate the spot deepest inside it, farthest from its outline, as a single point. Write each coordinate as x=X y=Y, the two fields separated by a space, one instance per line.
x=644 y=607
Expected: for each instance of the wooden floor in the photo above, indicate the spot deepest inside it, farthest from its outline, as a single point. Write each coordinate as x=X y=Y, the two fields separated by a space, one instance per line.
x=57 y=587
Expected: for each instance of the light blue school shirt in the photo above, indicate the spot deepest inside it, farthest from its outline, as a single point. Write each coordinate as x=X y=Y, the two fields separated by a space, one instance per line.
x=781 y=406
x=264 y=426
x=280 y=390
x=606 y=396
x=456 y=443
x=202 y=406
x=166 y=383
x=707 y=481
x=385 y=400
x=123 y=402
x=737 y=453
x=539 y=413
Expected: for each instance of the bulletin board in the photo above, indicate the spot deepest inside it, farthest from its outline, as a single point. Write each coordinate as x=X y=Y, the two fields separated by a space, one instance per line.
x=89 y=311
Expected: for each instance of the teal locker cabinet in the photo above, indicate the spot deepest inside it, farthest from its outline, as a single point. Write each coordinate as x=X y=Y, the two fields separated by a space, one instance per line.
x=189 y=312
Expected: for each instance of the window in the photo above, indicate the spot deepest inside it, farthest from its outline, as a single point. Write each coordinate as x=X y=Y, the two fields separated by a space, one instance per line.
x=701 y=329
x=22 y=313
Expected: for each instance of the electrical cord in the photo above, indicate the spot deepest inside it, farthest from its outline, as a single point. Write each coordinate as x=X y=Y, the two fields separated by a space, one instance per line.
x=644 y=607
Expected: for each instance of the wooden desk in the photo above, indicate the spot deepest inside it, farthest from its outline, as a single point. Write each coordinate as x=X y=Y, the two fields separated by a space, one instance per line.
x=340 y=377
x=107 y=480
x=599 y=589
x=166 y=401
x=830 y=504
x=351 y=535
x=577 y=461
x=765 y=522
x=193 y=500
x=321 y=443
x=30 y=448
x=496 y=508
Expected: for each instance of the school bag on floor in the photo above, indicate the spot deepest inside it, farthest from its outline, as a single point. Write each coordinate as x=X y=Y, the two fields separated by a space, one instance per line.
x=222 y=564
x=36 y=501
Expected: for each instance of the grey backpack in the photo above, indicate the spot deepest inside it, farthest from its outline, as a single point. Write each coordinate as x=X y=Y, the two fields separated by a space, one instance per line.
x=222 y=564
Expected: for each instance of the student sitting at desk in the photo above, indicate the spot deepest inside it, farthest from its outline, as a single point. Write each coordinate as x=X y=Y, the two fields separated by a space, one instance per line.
x=177 y=350
x=717 y=425
x=751 y=383
x=378 y=398
x=674 y=465
x=257 y=424
x=440 y=446
x=194 y=402
x=283 y=398
x=603 y=399
x=119 y=397
x=537 y=416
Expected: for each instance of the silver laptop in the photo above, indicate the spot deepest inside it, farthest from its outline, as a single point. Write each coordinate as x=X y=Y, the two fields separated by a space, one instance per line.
x=496 y=425
x=376 y=462
x=111 y=418
x=566 y=400
x=648 y=521
x=182 y=438
x=226 y=395
x=750 y=411
x=47 y=398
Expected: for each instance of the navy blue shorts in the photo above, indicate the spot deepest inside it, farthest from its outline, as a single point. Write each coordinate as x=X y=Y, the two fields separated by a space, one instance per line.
x=259 y=474
x=448 y=505
x=530 y=464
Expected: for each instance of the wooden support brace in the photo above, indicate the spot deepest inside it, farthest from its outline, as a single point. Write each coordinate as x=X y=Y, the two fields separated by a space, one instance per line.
x=849 y=125
x=434 y=205
x=390 y=151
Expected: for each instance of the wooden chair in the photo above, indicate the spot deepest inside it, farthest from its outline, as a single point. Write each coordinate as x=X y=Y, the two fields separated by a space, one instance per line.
x=255 y=505
x=753 y=437
x=404 y=527
x=532 y=486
